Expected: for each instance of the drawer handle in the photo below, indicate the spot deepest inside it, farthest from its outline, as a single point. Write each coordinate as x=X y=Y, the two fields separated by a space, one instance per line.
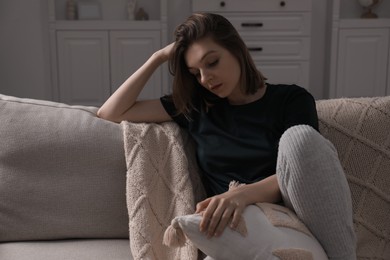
x=255 y=48
x=252 y=24
x=282 y=3
x=222 y=4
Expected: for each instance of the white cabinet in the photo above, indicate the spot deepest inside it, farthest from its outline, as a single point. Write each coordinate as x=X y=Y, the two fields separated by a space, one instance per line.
x=92 y=58
x=128 y=52
x=360 y=56
x=93 y=64
x=83 y=67
x=277 y=33
x=362 y=62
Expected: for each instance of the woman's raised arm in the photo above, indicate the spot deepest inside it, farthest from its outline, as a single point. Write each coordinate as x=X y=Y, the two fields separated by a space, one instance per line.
x=123 y=104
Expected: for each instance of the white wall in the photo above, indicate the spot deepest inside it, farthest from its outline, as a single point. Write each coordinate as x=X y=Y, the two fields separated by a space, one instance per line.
x=24 y=49
x=320 y=48
x=178 y=11
x=25 y=56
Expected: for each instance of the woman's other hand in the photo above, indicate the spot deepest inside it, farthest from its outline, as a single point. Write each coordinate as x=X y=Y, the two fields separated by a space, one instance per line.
x=220 y=211
x=227 y=208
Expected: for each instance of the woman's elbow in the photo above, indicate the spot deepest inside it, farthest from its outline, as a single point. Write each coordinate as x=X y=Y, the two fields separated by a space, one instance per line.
x=103 y=114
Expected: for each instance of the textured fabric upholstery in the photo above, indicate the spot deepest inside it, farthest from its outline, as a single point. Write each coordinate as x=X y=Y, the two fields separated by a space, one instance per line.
x=162 y=182
x=62 y=173
x=91 y=249
x=63 y=176
x=360 y=130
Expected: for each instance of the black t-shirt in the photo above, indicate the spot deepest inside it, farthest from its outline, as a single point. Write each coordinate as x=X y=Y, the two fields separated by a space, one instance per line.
x=240 y=142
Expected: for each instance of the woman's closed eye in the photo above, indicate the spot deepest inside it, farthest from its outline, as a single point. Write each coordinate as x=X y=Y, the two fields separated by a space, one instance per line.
x=214 y=63
x=211 y=64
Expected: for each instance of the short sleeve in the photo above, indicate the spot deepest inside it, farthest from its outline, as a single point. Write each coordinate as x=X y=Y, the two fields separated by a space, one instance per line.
x=170 y=108
x=300 y=109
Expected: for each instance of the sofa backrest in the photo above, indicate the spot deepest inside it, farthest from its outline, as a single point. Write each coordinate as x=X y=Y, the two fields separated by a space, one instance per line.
x=360 y=130
x=62 y=172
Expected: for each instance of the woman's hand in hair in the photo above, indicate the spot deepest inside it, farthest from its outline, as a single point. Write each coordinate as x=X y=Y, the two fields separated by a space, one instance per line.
x=165 y=52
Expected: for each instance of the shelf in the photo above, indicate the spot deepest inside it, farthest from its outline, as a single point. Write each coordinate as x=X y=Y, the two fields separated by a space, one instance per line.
x=364 y=23
x=350 y=9
x=107 y=25
x=111 y=10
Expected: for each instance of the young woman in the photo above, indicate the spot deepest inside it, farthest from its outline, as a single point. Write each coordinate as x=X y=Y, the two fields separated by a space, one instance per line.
x=263 y=135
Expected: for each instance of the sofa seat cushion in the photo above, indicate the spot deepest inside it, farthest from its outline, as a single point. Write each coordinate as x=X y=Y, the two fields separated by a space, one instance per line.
x=88 y=249
x=62 y=173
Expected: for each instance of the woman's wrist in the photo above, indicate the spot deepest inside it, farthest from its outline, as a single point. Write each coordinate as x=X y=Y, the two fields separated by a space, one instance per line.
x=159 y=57
x=247 y=195
x=266 y=190
x=163 y=54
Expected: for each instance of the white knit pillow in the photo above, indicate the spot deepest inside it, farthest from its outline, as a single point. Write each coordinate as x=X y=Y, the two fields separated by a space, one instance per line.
x=273 y=232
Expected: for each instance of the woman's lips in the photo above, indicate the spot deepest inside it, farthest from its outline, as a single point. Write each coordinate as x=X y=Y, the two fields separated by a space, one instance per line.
x=215 y=87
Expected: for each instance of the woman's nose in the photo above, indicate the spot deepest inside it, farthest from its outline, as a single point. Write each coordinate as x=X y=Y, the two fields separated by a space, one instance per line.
x=204 y=78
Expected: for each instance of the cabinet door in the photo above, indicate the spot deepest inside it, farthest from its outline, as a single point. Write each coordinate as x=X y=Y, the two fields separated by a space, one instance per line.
x=388 y=71
x=83 y=64
x=286 y=72
x=129 y=50
x=362 y=62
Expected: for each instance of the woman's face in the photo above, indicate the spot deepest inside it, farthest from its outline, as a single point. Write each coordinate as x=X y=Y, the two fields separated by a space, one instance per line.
x=214 y=67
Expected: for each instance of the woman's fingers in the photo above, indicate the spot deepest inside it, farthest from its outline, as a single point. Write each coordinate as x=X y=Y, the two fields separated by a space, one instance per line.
x=214 y=218
x=202 y=205
x=236 y=218
x=218 y=212
x=208 y=214
x=217 y=216
x=224 y=221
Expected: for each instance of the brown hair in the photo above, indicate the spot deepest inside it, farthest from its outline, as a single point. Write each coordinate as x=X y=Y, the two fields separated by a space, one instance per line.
x=198 y=26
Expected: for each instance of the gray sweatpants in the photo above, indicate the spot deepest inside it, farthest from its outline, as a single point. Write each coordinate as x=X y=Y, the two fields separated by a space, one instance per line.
x=313 y=184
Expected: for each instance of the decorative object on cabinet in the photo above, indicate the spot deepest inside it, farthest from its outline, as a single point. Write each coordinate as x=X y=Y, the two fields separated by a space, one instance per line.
x=141 y=15
x=131 y=7
x=89 y=10
x=90 y=59
x=368 y=5
x=71 y=10
x=360 y=57
x=277 y=33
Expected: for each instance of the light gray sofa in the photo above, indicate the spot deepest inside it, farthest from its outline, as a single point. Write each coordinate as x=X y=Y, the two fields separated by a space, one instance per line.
x=63 y=178
x=62 y=183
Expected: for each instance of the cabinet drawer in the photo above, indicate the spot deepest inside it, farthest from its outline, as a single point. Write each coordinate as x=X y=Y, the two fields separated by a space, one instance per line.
x=271 y=24
x=279 y=48
x=286 y=72
x=251 y=5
